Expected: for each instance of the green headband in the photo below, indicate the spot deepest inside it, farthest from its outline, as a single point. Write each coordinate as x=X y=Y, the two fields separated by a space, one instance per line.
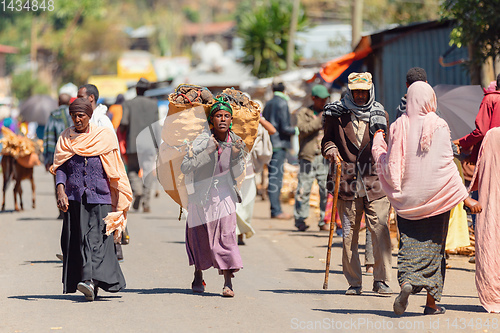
x=221 y=105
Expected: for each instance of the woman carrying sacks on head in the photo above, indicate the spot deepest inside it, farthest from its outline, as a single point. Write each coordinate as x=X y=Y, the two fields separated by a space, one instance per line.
x=215 y=159
x=94 y=193
x=422 y=182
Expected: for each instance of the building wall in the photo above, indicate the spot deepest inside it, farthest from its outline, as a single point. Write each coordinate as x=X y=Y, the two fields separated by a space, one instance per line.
x=422 y=48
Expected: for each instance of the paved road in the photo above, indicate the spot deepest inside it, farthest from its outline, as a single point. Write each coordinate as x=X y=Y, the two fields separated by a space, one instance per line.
x=279 y=289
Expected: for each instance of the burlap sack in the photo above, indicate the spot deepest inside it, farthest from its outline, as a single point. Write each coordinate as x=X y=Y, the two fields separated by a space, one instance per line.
x=174 y=107
x=169 y=173
x=182 y=125
x=246 y=123
x=184 y=122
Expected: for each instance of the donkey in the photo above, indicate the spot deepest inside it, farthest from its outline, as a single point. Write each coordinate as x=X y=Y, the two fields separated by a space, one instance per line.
x=13 y=170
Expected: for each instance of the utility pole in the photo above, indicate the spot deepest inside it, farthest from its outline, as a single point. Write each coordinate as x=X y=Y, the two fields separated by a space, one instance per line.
x=357 y=22
x=290 y=51
x=33 y=48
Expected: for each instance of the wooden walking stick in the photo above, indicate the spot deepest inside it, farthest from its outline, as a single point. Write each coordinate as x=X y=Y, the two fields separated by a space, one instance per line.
x=334 y=209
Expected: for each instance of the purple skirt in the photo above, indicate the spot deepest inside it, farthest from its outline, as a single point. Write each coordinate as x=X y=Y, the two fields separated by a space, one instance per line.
x=211 y=239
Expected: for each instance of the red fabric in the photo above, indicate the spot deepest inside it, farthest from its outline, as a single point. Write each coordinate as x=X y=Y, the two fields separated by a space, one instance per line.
x=122 y=141
x=487 y=118
x=333 y=69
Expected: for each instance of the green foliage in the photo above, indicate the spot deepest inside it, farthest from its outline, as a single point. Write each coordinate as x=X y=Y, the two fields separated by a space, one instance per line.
x=24 y=86
x=265 y=30
x=477 y=25
x=191 y=14
x=379 y=13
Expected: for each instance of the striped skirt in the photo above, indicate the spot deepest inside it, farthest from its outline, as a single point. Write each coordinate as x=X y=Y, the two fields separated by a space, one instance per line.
x=421 y=257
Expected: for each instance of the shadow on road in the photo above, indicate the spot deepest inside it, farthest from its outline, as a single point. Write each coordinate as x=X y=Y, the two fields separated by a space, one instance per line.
x=7 y=211
x=310 y=234
x=318 y=271
x=29 y=262
x=382 y=313
x=38 y=219
x=310 y=291
x=168 y=291
x=74 y=298
x=465 y=307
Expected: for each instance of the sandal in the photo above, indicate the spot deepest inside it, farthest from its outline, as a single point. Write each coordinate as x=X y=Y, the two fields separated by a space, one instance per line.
x=198 y=289
x=430 y=311
x=227 y=292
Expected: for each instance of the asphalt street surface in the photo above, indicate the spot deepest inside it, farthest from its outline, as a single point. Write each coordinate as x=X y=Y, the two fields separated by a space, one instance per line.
x=278 y=290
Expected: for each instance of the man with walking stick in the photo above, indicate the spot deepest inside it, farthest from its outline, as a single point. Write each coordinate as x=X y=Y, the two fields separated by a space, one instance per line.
x=349 y=126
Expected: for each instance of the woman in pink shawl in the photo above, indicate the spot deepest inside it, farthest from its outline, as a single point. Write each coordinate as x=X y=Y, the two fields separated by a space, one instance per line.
x=487 y=231
x=422 y=182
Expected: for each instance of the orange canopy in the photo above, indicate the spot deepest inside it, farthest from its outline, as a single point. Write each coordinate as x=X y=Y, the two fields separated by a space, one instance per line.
x=334 y=68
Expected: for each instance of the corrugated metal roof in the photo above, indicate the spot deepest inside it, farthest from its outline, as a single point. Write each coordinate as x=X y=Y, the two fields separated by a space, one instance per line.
x=420 y=48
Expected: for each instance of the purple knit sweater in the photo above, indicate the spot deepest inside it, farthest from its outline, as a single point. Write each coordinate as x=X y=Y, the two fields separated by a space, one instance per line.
x=84 y=175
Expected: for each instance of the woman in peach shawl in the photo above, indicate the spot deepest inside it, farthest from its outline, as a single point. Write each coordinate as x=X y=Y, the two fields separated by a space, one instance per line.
x=487 y=231
x=94 y=193
x=422 y=183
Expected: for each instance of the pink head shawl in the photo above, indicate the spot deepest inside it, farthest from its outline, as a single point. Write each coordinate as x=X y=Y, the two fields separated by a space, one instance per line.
x=421 y=108
x=416 y=170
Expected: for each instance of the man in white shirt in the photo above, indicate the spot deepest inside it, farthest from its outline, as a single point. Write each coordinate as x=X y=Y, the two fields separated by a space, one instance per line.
x=99 y=116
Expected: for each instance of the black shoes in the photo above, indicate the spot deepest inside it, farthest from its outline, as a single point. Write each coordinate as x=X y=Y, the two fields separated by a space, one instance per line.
x=381 y=288
x=302 y=227
x=354 y=290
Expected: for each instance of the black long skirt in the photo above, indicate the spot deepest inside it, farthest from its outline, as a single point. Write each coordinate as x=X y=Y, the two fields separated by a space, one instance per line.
x=88 y=253
x=421 y=257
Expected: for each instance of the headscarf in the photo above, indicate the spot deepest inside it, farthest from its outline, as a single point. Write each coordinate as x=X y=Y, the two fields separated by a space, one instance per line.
x=100 y=141
x=81 y=105
x=362 y=112
x=416 y=170
x=220 y=104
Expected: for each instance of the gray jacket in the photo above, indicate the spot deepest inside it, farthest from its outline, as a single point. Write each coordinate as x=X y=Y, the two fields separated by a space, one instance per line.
x=138 y=113
x=200 y=164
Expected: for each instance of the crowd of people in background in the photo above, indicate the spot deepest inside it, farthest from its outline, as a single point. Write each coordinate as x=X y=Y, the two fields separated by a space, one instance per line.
x=98 y=169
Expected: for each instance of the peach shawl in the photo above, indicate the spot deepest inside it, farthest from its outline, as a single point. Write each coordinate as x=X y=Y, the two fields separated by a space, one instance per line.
x=416 y=170
x=100 y=141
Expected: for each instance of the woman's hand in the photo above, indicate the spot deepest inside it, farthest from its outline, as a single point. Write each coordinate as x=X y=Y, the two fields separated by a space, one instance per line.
x=212 y=144
x=238 y=145
x=62 y=198
x=380 y=131
x=457 y=143
x=473 y=205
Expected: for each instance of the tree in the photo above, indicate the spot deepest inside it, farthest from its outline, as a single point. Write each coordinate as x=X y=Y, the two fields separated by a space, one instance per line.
x=265 y=30
x=477 y=26
x=379 y=13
